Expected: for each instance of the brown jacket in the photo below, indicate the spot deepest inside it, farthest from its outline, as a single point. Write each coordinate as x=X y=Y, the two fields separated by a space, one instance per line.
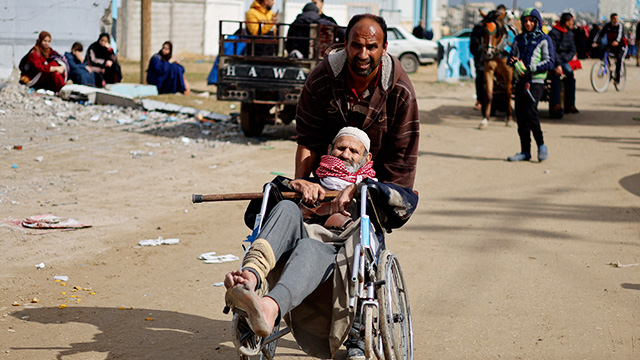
x=392 y=120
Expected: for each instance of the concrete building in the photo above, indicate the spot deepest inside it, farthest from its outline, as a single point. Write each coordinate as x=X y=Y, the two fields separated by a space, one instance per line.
x=68 y=21
x=192 y=25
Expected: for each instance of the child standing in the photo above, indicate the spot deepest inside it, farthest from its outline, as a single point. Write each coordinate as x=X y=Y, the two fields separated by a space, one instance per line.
x=532 y=56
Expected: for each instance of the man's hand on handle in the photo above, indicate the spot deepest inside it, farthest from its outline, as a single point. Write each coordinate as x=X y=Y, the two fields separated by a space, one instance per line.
x=311 y=192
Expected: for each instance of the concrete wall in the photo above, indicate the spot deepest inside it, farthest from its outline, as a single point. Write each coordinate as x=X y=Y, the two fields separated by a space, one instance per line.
x=179 y=21
x=68 y=21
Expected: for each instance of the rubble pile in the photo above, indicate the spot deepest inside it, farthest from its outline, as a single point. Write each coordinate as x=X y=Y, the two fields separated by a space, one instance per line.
x=44 y=107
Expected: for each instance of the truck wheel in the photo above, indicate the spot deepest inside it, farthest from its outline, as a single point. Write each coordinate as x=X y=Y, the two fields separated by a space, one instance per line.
x=409 y=63
x=253 y=118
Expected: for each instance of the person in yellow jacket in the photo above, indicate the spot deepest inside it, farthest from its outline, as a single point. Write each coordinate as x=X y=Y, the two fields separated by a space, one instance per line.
x=260 y=18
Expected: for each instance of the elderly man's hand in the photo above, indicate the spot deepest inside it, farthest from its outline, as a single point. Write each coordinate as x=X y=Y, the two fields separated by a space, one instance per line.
x=343 y=200
x=311 y=192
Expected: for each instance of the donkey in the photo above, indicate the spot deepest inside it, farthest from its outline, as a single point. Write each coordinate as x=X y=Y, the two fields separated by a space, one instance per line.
x=496 y=44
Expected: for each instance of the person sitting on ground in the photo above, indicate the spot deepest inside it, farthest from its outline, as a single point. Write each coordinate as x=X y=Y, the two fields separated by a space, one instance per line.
x=103 y=61
x=42 y=67
x=308 y=254
x=532 y=55
x=616 y=42
x=79 y=72
x=166 y=73
x=565 y=51
x=299 y=31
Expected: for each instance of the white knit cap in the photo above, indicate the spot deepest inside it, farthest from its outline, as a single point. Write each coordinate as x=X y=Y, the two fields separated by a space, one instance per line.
x=356 y=133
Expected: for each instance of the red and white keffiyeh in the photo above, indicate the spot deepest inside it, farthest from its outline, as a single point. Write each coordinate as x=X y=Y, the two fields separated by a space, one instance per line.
x=334 y=175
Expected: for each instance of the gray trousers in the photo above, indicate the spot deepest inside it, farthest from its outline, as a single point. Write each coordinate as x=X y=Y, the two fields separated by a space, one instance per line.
x=309 y=262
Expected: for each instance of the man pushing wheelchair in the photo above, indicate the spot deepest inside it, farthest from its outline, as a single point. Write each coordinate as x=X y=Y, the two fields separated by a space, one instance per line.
x=360 y=105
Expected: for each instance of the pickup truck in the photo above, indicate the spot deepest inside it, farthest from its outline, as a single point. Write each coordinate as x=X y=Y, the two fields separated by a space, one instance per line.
x=261 y=74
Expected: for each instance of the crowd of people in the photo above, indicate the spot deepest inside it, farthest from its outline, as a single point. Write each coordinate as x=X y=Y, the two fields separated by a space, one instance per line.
x=558 y=52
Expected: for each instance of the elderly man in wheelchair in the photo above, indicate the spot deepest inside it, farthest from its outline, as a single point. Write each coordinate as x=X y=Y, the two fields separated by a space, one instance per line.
x=325 y=269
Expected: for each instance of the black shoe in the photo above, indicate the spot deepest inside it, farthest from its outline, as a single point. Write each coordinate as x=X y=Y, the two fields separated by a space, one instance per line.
x=556 y=112
x=355 y=348
x=573 y=110
x=355 y=354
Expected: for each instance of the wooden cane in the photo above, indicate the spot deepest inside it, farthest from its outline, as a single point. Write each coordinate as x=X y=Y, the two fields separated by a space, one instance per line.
x=199 y=198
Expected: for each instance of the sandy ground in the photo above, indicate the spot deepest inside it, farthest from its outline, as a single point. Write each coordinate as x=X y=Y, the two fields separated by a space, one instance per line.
x=503 y=260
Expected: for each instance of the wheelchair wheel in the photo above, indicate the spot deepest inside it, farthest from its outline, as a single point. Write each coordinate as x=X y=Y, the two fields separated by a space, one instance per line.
x=395 y=315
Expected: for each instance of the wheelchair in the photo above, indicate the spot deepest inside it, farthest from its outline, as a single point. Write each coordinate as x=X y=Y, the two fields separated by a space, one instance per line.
x=377 y=287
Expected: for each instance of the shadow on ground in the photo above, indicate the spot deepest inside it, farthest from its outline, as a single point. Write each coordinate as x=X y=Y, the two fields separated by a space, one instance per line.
x=456 y=156
x=625 y=115
x=631 y=183
x=626 y=143
x=512 y=211
x=127 y=334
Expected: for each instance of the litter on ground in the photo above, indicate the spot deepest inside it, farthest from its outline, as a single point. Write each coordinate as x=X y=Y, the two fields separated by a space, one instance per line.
x=221 y=259
x=50 y=221
x=159 y=241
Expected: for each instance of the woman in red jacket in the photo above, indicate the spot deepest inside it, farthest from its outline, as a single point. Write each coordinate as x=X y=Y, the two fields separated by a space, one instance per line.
x=42 y=67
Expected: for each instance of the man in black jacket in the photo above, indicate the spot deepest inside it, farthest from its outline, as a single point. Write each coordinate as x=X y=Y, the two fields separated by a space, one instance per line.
x=475 y=47
x=298 y=34
x=565 y=51
x=616 y=41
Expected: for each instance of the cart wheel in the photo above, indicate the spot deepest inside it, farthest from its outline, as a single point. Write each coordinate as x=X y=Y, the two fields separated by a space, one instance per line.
x=252 y=118
x=395 y=314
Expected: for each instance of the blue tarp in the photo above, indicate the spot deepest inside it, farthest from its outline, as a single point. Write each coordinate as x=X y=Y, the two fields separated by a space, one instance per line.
x=228 y=50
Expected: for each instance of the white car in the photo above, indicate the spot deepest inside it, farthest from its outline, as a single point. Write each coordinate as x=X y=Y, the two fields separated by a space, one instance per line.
x=411 y=51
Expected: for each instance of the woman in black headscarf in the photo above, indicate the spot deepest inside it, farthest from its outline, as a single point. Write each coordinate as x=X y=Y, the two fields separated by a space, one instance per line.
x=166 y=73
x=103 y=62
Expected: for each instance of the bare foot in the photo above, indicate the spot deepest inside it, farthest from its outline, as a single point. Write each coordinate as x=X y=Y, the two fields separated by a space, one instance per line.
x=240 y=277
x=261 y=312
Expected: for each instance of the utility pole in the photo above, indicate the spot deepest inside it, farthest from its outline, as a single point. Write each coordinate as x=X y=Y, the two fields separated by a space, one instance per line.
x=145 y=39
x=515 y=5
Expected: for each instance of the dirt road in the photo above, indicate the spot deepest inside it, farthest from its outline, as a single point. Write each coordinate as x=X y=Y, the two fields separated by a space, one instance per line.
x=503 y=260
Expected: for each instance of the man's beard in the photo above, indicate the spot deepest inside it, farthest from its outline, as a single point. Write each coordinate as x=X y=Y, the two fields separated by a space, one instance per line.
x=363 y=73
x=353 y=166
